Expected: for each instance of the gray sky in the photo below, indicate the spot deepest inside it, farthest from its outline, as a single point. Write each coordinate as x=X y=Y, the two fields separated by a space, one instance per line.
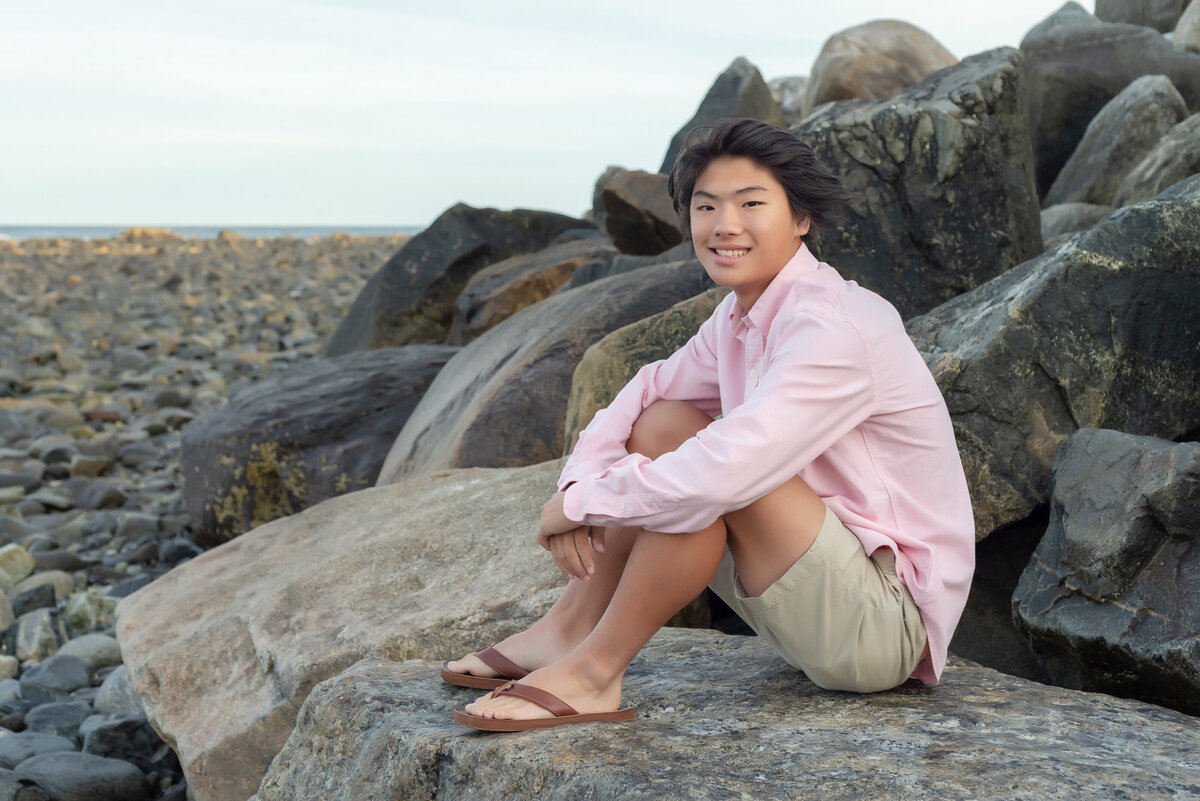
x=365 y=112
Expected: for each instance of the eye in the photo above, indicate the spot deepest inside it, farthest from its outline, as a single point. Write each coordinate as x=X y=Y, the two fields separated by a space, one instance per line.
x=753 y=203
x=703 y=207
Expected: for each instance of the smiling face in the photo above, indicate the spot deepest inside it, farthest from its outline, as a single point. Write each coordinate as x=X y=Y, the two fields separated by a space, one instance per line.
x=742 y=226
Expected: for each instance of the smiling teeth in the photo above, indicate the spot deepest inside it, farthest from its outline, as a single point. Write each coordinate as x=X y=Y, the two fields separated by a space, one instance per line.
x=731 y=254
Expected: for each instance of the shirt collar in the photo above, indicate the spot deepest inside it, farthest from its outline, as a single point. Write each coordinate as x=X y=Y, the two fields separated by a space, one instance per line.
x=767 y=306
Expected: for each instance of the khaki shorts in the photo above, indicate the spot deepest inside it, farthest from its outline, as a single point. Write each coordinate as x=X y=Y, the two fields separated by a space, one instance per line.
x=840 y=616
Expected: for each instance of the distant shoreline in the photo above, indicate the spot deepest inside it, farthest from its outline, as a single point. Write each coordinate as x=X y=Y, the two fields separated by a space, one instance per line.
x=23 y=232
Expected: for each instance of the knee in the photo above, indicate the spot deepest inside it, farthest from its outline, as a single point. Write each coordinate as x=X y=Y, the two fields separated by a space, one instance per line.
x=663 y=426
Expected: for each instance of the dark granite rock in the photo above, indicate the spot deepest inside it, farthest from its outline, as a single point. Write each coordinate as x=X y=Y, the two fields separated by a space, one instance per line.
x=739 y=91
x=1116 y=140
x=723 y=717
x=1071 y=218
x=1158 y=14
x=609 y=266
x=1111 y=598
x=1076 y=64
x=320 y=429
x=500 y=401
x=943 y=179
x=411 y=299
x=33 y=598
x=636 y=211
x=129 y=736
x=499 y=291
x=1174 y=158
x=54 y=679
x=1100 y=332
x=74 y=776
x=60 y=717
x=18 y=747
x=101 y=494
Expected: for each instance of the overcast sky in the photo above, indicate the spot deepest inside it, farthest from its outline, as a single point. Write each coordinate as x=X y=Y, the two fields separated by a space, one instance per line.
x=367 y=112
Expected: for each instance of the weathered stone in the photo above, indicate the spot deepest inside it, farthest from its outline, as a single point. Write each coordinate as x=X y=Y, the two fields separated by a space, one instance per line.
x=789 y=91
x=943 y=180
x=499 y=291
x=1111 y=598
x=1100 y=332
x=1071 y=218
x=500 y=401
x=102 y=495
x=1076 y=64
x=15 y=564
x=73 y=776
x=1187 y=32
x=596 y=269
x=39 y=634
x=223 y=649
x=16 y=748
x=98 y=650
x=636 y=211
x=1116 y=140
x=117 y=694
x=1175 y=157
x=59 y=717
x=37 y=597
x=723 y=717
x=320 y=429
x=739 y=91
x=411 y=299
x=129 y=736
x=608 y=365
x=85 y=611
x=873 y=61
x=1158 y=14
x=12 y=789
x=55 y=679
x=61 y=581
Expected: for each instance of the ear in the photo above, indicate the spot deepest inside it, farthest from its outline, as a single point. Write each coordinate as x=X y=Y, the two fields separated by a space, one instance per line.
x=802 y=226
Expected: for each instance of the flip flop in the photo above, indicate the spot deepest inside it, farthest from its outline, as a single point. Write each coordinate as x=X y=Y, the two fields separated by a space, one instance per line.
x=563 y=713
x=496 y=661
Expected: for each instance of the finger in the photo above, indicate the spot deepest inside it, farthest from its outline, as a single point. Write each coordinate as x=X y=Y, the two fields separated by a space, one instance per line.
x=572 y=555
x=597 y=536
x=556 y=550
x=579 y=538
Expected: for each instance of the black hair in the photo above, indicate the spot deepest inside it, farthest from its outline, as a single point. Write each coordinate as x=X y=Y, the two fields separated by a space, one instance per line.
x=814 y=193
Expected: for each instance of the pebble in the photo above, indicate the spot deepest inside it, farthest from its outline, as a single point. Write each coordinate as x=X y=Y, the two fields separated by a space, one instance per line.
x=39 y=633
x=76 y=776
x=59 y=717
x=55 y=679
x=98 y=650
x=16 y=748
x=15 y=564
x=117 y=694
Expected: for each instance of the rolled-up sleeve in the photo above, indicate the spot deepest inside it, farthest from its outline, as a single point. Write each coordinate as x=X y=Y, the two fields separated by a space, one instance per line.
x=812 y=390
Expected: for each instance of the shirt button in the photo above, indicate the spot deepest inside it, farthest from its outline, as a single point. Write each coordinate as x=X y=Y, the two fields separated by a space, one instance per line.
x=622 y=507
x=754 y=374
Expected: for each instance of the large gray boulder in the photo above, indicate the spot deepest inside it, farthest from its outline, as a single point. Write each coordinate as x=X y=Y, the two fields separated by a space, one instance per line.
x=1076 y=64
x=1098 y=333
x=723 y=717
x=1111 y=598
x=500 y=402
x=411 y=299
x=1116 y=140
x=608 y=266
x=636 y=211
x=499 y=291
x=1187 y=32
x=1070 y=218
x=873 y=61
x=739 y=91
x=789 y=92
x=944 y=182
x=320 y=429
x=223 y=650
x=1175 y=157
x=1162 y=15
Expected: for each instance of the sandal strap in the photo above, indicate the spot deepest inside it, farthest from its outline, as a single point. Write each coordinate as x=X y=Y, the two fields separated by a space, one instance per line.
x=551 y=703
x=501 y=664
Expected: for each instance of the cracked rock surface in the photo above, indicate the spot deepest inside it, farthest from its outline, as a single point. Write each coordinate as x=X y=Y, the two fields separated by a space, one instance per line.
x=1111 y=598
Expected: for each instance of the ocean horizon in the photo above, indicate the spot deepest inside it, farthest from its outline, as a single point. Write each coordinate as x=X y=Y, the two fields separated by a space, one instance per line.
x=22 y=232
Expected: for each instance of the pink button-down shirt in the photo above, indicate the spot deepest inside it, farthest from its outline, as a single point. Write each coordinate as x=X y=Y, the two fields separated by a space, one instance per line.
x=820 y=380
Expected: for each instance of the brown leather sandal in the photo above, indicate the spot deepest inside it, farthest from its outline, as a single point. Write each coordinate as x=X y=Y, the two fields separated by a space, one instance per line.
x=496 y=661
x=563 y=713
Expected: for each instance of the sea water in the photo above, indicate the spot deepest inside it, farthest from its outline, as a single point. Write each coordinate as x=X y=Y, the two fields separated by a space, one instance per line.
x=201 y=231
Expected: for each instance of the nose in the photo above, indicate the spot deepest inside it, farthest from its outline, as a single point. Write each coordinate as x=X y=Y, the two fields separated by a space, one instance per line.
x=728 y=221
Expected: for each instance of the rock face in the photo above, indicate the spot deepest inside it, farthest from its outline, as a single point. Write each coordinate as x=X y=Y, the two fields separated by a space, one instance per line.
x=1175 y=157
x=1116 y=140
x=722 y=717
x=636 y=211
x=739 y=91
x=320 y=429
x=609 y=364
x=1158 y=14
x=1076 y=64
x=609 y=266
x=1111 y=599
x=1187 y=32
x=789 y=92
x=944 y=179
x=501 y=401
x=498 y=292
x=873 y=61
x=224 y=649
x=411 y=299
x=1070 y=218
x=1100 y=332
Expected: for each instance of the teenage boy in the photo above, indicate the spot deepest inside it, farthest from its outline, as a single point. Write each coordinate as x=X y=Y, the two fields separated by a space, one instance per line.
x=796 y=456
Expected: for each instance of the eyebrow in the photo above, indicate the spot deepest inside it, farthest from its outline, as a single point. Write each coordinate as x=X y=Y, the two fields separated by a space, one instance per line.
x=742 y=191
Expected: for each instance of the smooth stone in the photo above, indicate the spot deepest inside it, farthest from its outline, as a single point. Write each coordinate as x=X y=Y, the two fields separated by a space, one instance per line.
x=73 y=776
x=102 y=494
x=1175 y=157
x=135 y=454
x=135 y=525
x=59 y=454
x=1187 y=32
x=88 y=466
x=52 y=498
x=62 y=582
x=1162 y=15
x=13 y=529
x=1070 y=218
x=177 y=549
x=98 y=650
x=58 y=717
x=39 y=633
x=55 y=679
x=85 y=611
x=721 y=717
x=117 y=694
x=16 y=748
x=58 y=561
x=10 y=688
x=15 y=564
x=42 y=595
x=636 y=211
x=789 y=92
x=129 y=736
x=11 y=494
x=26 y=481
x=11 y=789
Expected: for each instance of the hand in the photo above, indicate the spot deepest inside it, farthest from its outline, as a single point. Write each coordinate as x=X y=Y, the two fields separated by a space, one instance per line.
x=569 y=543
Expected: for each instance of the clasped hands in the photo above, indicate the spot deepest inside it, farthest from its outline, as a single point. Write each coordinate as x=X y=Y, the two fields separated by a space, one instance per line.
x=570 y=543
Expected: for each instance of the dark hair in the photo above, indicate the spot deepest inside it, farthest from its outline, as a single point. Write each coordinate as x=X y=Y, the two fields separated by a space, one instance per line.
x=813 y=192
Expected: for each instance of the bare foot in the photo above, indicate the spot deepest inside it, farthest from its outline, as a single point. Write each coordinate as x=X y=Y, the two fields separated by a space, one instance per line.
x=539 y=645
x=571 y=683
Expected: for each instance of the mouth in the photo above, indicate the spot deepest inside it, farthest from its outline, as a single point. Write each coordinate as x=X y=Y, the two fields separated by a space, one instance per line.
x=730 y=253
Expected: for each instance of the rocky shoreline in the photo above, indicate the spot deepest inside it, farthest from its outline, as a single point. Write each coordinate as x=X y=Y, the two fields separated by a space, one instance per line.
x=111 y=346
